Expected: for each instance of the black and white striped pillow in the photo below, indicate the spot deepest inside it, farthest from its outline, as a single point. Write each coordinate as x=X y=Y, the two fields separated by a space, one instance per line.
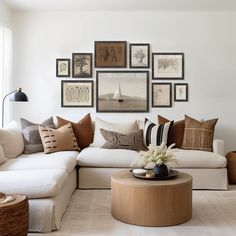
x=155 y=134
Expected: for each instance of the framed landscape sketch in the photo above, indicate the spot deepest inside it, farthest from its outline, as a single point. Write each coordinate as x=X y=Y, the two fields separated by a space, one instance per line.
x=181 y=92
x=122 y=91
x=82 y=65
x=76 y=93
x=63 y=67
x=110 y=54
x=139 y=55
x=168 y=66
x=161 y=95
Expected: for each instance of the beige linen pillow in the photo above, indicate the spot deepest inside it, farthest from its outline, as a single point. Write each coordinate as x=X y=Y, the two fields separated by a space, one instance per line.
x=2 y=156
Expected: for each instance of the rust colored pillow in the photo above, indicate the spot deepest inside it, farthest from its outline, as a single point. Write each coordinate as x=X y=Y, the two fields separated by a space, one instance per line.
x=176 y=133
x=83 y=130
x=198 y=135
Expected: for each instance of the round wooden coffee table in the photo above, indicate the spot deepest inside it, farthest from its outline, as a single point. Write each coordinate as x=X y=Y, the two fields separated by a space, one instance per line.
x=151 y=202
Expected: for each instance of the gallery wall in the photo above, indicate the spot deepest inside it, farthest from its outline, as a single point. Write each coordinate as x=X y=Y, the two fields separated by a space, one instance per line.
x=207 y=40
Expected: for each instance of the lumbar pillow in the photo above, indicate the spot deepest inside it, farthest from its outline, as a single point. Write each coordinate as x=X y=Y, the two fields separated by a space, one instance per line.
x=130 y=141
x=83 y=130
x=198 y=135
x=123 y=128
x=61 y=139
x=2 y=156
x=11 y=140
x=156 y=134
x=31 y=135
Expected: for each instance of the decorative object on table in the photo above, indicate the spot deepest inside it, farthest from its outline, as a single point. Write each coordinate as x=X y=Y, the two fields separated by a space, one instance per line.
x=181 y=92
x=161 y=94
x=63 y=67
x=16 y=96
x=139 y=55
x=76 y=93
x=82 y=65
x=168 y=66
x=6 y=198
x=231 y=166
x=116 y=93
x=110 y=54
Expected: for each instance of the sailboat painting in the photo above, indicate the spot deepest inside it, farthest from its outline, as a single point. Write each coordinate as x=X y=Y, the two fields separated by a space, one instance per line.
x=122 y=91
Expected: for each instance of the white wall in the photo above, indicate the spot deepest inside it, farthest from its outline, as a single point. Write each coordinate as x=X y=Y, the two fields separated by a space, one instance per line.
x=5 y=15
x=208 y=40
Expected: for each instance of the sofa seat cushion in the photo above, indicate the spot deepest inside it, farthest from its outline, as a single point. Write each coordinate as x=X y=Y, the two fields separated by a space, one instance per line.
x=33 y=183
x=65 y=160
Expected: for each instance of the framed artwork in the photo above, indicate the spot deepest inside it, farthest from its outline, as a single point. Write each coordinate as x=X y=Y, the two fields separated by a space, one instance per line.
x=139 y=55
x=82 y=65
x=168 y=66
x=110 y=54
x=76 y=93
x=63 y=67
x=181 y=92
x=122 y=91
x=161 y=95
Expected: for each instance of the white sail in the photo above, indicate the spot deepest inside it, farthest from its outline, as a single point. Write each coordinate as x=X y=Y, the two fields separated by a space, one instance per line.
x=117 y=95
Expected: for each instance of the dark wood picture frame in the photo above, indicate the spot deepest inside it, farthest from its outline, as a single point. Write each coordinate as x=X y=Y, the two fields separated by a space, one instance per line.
x=63 y=69
x=166 y=66
x=80 y=61
x=181 y=96
x=110 y=54
x=115 y=91
x=160 y=97
x=80 y=96
x=136 y=56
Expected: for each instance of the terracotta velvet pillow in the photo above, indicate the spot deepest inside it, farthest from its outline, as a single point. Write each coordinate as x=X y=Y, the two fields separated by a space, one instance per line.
x=198 y=135
x=176 y=133
x=83 y=130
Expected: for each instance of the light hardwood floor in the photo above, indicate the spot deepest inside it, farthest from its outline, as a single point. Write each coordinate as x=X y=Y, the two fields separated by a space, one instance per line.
x=214 y=214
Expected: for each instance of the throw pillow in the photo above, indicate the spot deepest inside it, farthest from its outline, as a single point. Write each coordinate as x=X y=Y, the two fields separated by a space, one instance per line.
x=156 y=134
x=198 y=135
x=11 y=140
x=123 y=128
x=83 y=130
x=31 y=135
x=130 y=141
x=176 y=133
x=2 y=156
x=61 y=139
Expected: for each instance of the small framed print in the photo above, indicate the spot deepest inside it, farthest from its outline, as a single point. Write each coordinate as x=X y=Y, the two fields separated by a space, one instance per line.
x=76 y=93
x=168 y=66
x=139 y=55
x=161 y=94
x=181 y=92
x=63 y=67
x=82 y=65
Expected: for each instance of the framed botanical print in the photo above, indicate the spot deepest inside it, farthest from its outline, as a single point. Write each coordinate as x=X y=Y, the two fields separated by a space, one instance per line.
x=139 y=55
x=76 y=93
x=181 y=92
x=82 y=65
x=161 y=94
x=63 y=67
x=168 y=66
x=110 y=54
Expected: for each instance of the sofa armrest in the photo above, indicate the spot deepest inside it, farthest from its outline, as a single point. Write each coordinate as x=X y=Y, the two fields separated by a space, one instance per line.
x=219 y=146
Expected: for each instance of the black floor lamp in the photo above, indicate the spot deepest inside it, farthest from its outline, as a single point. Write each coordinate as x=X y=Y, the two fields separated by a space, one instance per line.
x=16 y=96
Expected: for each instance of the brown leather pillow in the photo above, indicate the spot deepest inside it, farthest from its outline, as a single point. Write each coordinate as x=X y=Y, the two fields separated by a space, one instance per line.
x=83 y=130
x=176 y=133
x=198 y=135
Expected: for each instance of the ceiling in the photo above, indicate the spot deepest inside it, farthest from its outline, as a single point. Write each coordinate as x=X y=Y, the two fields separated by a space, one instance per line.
x=123 y=5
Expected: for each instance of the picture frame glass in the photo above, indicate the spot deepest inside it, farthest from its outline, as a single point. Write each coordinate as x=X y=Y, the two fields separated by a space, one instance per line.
x=181 y=92
x=63 y=68
x=161 y=95
x=139 y=56
x=82 y=65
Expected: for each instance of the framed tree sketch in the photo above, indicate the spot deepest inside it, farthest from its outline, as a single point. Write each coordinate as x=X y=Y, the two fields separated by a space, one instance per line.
x=76 y=93
x=110 y=54
x=168 y=66
x=161 y=95
x=116 y=93
x=139 y=55
x=82 y=65
x=181 y=92
x=63 y=67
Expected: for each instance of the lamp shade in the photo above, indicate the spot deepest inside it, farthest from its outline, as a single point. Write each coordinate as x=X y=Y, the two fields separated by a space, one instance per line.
x=19 y=96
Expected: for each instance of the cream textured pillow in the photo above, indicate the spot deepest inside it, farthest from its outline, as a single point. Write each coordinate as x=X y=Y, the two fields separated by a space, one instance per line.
x=123 y=128
x=61 y=139
x=2 y=156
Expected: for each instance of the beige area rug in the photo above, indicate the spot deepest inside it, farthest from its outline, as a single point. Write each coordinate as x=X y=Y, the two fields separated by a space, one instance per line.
x=214 y=214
